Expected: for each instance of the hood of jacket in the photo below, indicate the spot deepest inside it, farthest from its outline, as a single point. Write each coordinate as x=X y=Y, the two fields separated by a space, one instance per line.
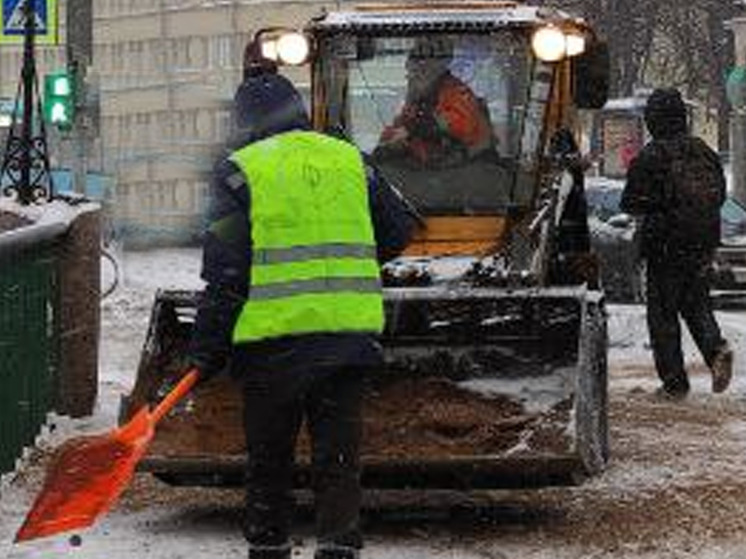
x=265 y=105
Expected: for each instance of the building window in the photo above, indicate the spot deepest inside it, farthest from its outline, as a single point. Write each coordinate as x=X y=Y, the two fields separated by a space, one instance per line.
x=221 y=52
x=197 y=52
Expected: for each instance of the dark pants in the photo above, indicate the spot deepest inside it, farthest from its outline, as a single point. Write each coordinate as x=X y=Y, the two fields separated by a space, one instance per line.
x=275 y=405
x=676 y=288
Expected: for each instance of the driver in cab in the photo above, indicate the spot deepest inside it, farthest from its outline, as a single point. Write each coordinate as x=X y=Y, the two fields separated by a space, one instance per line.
x=442 y=122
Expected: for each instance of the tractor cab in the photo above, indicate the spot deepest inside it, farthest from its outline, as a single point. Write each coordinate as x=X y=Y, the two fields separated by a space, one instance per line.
x=454 y=104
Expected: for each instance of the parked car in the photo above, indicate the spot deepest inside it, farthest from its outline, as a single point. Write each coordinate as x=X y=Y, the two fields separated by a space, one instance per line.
x=614 y=239
x=729 y=271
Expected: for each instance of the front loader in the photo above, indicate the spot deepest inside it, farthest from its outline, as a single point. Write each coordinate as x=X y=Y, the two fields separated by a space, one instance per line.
x=495 y=340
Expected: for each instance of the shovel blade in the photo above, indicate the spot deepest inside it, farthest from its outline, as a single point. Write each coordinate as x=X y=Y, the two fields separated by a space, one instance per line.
x=85 y=478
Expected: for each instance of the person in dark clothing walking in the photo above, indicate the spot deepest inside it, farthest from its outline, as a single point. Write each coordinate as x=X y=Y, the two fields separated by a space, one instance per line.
x=293 y=305
x=676 y=186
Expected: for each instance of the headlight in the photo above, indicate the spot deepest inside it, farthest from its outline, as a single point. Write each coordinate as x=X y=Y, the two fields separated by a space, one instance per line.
x=269 y=49
x=293 y=48
x=549 y=43
x=575 y=44
x=289 y=47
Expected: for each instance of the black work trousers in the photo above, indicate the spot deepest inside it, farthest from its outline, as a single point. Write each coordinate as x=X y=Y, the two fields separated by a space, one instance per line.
x=679 y=287
x=276 y=404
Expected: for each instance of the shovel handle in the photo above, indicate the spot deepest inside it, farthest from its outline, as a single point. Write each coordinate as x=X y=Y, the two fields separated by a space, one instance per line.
x=181 y=389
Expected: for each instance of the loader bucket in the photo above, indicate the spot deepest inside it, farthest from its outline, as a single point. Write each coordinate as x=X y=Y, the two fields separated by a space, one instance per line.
x=482 y=388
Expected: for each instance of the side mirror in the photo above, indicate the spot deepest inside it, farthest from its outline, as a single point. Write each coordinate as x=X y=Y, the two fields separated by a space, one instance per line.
x=366 y=48
x=620 y=221
x=591 y=76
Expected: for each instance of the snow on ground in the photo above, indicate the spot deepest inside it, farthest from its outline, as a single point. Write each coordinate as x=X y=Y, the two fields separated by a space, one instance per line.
x=170 y=523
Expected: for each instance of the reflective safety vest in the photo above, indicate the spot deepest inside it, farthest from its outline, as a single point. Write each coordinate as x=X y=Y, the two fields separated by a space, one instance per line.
x=314 y=267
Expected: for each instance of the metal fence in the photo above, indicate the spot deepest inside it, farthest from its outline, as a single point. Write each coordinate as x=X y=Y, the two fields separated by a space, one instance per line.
x=28 y=344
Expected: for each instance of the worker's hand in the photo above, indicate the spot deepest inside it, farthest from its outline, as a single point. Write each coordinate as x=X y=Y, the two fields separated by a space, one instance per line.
x=208 y=365
x=184 y=371
x=394 y=135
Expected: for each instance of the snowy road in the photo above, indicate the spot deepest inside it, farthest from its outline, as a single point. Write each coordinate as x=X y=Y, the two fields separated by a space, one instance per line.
x=675 y=486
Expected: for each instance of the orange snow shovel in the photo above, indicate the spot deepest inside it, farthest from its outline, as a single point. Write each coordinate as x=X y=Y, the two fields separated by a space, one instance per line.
x=87 y=474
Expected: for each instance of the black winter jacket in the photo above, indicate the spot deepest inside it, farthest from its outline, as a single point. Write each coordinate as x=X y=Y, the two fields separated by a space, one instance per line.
x=680 y=216
x=676 y=184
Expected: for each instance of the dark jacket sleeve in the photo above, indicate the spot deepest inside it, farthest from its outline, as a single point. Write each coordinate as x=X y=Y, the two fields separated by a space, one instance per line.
x=644 y=198
x=394 y=219
x=225 y=270
x=641 y=195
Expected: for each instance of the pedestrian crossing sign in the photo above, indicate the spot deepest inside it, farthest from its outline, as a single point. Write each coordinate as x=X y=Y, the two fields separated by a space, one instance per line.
x=14 y=17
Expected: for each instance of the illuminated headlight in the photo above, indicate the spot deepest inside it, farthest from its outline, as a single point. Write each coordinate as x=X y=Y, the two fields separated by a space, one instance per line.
x=549 y=44
x=575 y=44
x=293 y=48
x=289 y=48
x=269 y=49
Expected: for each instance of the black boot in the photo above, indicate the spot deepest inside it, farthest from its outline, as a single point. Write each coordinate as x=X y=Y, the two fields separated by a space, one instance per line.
x=337 y=553
x=270 y=552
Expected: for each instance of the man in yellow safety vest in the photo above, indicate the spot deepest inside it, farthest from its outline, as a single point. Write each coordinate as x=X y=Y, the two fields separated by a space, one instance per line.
x=293 y=305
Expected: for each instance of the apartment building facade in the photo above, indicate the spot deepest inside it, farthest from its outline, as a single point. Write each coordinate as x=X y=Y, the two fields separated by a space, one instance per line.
x=166 y=71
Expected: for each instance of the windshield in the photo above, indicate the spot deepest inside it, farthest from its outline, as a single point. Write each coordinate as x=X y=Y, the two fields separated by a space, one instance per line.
x=453 y=120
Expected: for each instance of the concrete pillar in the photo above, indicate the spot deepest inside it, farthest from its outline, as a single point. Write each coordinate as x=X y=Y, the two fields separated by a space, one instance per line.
x=736 y=89
x=79 y=319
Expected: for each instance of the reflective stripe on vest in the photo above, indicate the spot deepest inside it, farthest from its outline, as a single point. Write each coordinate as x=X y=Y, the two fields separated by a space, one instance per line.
x=314 y=267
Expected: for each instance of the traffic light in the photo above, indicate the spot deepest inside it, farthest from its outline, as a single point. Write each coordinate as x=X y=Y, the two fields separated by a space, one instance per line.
x=59 y=99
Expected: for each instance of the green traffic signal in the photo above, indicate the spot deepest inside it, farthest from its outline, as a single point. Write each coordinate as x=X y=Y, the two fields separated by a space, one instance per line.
x=59 y=102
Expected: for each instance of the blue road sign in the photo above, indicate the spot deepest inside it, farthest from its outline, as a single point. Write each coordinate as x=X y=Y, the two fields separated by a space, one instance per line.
x=14 y=20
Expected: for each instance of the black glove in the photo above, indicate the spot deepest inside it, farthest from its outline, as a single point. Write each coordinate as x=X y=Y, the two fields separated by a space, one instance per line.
x=210 y=362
